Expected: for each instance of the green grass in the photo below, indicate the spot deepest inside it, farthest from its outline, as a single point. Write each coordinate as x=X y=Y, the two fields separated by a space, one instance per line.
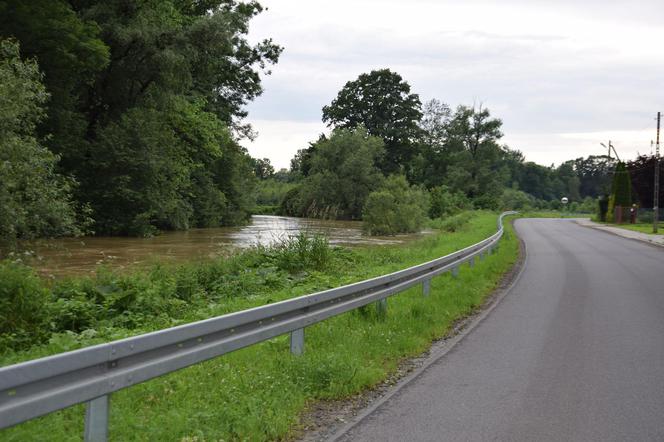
x=258 y=393
x=639 y=227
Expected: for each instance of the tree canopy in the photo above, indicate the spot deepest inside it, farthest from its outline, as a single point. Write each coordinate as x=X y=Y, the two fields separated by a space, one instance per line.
x=147 y=105
x=382 y=103
x=344 y=171
x=34 y=199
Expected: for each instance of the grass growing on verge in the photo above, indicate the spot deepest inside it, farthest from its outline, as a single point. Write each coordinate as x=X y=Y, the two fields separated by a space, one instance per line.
x=259 y=392
x=640 y=227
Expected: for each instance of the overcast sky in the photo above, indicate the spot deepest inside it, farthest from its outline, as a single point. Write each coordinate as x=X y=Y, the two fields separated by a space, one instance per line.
x=562 y=75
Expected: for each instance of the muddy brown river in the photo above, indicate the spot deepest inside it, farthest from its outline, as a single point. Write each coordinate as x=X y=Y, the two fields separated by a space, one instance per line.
x=81 y=256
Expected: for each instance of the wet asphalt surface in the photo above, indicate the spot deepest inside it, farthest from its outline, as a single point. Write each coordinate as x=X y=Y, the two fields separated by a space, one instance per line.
x=574 y=352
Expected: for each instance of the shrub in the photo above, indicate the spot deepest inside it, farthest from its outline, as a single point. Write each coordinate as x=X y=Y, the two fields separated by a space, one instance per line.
x=513 y=199
x=343 y=173
x=454 y=223
x=445 y=202
x=487 y=201
x=302 y=252
x=395 y=208
x=23 y=306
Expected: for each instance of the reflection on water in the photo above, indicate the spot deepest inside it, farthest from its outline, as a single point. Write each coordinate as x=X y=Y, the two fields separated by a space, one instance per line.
x=76 y=256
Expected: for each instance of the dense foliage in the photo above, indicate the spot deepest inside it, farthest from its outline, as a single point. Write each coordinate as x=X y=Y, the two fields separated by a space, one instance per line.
x=381 y=102
x=134 y=112
x=642 y=173
x=622 y=186
x=456 y=155
x=344 y=170
x=396 y=207
x=32 y=310
x=34 y=199
x=621 y=192
x=146 y=107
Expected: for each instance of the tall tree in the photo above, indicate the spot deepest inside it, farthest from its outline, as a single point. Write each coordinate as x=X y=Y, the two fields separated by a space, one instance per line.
x=642 y=171
x=595 y=174
x=473 y=136
x=429 y=165
x=70 y=53
x=153 y=93
x=343 y=173
x=263 y=169
x=34 y=199
x=381 y=102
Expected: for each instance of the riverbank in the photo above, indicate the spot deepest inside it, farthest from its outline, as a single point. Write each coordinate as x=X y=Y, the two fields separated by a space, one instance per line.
x=259 y=393
x=63 y=257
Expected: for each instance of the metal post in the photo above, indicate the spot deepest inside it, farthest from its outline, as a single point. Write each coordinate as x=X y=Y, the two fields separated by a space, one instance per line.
x=381 y=306
x=426 y=287
x=482 y=256
x=471 y=262
x=655 y=207
x=297 y=342
x=96 y=420
x=455 y=272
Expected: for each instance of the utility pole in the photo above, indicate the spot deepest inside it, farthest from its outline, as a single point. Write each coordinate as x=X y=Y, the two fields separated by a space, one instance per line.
x=655 y=220
x=609 y=147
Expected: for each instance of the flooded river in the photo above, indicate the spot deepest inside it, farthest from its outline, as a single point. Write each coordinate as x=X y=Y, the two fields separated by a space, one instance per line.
x=79 y=256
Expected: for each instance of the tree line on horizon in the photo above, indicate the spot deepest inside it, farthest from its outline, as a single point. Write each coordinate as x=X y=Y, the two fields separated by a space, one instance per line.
x=381 y=133
x=125 y=118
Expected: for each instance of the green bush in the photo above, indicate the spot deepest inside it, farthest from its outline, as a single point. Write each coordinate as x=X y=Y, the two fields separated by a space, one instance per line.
x=489 y=201
x=452 y=223
x=445 y=202
x=395 y=208
x=343 y=172
x=513 y=199
x=23 y=306
x=35 y=200
x=301 y=252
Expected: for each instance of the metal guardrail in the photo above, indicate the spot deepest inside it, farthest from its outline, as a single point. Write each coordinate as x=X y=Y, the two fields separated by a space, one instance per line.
x=41 y=386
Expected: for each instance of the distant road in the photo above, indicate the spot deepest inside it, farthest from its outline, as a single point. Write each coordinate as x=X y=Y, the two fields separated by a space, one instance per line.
x=574 y=352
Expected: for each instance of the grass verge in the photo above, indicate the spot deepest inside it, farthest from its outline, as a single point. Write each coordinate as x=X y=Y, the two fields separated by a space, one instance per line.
x=259 y=392
x=640 y=227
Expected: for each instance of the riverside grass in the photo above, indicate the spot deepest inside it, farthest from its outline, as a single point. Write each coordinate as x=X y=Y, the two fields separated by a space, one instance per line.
x=258 y=393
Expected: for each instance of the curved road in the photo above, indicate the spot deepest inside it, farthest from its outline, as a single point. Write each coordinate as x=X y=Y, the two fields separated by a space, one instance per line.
x=574 y=352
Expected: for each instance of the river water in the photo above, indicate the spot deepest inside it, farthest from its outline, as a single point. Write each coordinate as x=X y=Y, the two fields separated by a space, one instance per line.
x=80 y=256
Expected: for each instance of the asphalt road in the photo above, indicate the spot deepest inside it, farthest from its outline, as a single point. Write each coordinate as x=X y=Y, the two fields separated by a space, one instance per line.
x=574 y=352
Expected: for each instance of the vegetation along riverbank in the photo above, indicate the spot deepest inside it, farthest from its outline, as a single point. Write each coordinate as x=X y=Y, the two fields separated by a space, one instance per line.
x=257 y=393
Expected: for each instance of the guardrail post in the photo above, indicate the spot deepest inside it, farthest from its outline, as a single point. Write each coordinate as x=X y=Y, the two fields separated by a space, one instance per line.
x=96 y=420
x=482 y=256
x=381 y=307
x=455 y=272
x=297 y=342
x=426 y=287
x=471 y=262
